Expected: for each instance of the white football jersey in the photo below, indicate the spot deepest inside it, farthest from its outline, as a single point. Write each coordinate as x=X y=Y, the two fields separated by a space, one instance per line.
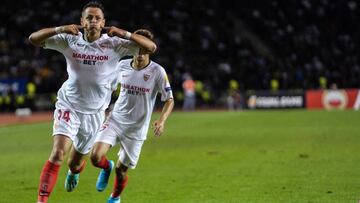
x=91 y=69
x=133 y=108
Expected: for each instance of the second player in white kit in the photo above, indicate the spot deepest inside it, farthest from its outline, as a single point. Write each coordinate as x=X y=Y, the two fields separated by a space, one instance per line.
x=141 y=80
x=129 y=121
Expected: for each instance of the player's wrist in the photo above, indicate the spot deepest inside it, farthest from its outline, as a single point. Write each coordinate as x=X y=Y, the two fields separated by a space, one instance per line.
x=162 y=121
x=59 y=30
x=127 y=35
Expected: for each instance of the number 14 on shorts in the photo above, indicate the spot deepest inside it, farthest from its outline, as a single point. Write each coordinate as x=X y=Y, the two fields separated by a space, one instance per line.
x=65 y=115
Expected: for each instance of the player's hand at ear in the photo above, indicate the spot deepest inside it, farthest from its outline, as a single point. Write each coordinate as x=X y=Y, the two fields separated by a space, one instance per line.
x=158 y=127
x=71 y=29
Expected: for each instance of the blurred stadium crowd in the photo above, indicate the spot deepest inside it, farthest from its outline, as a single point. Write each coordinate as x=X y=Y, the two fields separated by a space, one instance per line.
x=247 y=45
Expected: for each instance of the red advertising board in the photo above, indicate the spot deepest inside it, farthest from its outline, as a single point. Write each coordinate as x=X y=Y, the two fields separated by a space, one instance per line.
x=333 y=99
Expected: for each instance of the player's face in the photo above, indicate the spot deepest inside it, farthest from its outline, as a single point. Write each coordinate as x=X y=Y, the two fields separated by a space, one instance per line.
x=142 y=56
x=93 y=20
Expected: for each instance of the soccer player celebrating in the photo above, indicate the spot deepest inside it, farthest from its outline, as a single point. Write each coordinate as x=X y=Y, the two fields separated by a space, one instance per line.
x=91 y=59
x=141 y=79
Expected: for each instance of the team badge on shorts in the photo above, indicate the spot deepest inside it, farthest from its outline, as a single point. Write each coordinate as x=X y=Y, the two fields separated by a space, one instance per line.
x=146 y=77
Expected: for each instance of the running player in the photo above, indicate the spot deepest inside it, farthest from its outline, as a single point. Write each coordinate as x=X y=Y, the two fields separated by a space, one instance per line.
x=141 y=79
x=91 y=59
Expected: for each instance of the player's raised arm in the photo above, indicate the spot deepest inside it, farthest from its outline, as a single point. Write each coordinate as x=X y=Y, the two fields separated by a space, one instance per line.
x=38 y=38
x=145 y=44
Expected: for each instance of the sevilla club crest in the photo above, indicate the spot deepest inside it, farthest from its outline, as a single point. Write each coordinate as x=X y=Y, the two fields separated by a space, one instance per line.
x=146 y=77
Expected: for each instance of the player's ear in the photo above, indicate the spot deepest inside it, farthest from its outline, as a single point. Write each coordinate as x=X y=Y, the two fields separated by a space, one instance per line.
x=103 y=23
x=82 y=21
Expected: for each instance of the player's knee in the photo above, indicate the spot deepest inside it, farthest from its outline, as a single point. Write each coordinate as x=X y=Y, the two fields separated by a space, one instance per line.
x=57 y=155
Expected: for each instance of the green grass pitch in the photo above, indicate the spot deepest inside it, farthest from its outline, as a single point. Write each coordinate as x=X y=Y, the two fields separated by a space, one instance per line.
x=209 y=157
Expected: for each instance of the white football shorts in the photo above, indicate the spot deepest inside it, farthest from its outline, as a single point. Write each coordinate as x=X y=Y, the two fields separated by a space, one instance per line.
x=80 y=128
x=111 y=133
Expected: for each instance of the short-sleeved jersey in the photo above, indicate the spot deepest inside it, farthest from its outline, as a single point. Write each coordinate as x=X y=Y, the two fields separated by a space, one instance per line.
x=139 y=88
x=91 y=69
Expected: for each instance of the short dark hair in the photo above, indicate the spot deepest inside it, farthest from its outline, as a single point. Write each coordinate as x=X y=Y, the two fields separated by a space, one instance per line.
x=94 y=4
x=145 y=33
